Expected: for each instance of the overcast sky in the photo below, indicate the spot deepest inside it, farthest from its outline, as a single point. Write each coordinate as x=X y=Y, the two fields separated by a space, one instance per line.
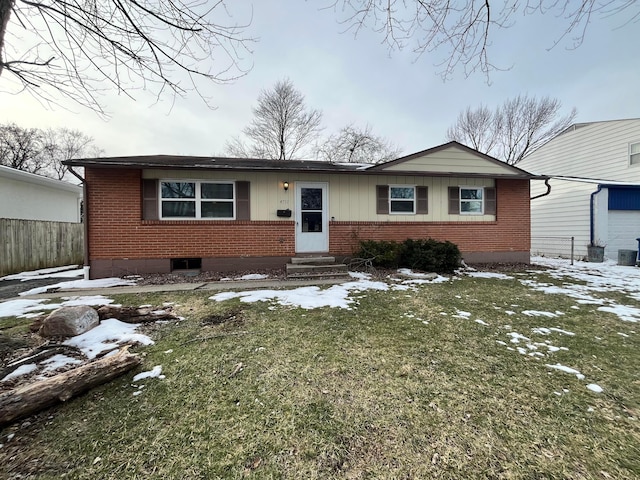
x=357 y=80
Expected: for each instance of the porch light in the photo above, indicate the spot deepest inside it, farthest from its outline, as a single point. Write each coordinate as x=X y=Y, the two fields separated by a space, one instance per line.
x=285 y=185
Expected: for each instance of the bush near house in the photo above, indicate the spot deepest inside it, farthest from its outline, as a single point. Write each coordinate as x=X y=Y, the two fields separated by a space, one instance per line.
x=422 y=254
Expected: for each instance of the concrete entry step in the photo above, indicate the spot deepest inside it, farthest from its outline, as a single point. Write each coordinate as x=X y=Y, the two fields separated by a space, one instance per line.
x=319 y=276
x=313 y=260
x=311 y=267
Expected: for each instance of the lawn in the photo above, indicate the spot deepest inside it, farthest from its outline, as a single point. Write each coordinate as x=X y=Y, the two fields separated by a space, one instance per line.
x=463 y=378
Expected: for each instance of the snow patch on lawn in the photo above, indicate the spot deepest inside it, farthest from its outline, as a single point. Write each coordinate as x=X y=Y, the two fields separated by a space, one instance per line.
x=155 y=372
x=74 y=284
x=570 y=370
x=107 y=336
x=29 y=308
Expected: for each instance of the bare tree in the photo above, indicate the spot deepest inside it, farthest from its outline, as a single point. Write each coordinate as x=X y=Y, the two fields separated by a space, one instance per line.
x=283 y=127
x=462 y=29
x=64 y=144
x=475 y=128
x=77 y=48
x=356 y=145
x=21 y=148
x=514 y=129
x=42 y=152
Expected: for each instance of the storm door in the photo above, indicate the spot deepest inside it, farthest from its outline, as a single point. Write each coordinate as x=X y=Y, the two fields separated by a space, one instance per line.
x=312 y=227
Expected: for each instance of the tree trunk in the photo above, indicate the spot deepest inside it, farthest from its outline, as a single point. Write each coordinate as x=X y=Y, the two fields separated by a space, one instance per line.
x=28 y=399
x=5 y=13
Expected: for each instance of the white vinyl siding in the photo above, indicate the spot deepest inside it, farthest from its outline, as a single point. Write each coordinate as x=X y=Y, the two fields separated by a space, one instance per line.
x=28 y=196
x=597 y=150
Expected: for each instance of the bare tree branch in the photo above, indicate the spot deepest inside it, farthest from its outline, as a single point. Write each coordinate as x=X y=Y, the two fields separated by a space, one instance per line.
x=462 y=30
x=513 y=130
x=78 y=48
x=356 y=145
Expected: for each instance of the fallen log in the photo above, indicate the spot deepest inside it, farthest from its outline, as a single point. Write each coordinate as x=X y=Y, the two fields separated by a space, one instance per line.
x=34 y=397
x=136 y=314
x=41 y=353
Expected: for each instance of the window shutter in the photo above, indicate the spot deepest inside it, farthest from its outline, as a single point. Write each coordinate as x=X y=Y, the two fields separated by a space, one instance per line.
x=382 y=199
x=490 y=201
x=454 y=200
x=149 y=199
x=422 y=203
x=242 y=201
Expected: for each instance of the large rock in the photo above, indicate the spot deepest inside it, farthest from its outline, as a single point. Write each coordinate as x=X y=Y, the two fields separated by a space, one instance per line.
x=69 y=321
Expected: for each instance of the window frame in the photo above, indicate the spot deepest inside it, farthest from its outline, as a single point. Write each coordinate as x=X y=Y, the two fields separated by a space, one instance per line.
x=197 y=199
x=469 y=200
x=633 y=154
x=413 y=200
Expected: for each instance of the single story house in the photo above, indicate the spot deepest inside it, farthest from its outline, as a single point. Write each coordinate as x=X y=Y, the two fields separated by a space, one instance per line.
x=594 y=197
x=27 y=196
x=156 y=214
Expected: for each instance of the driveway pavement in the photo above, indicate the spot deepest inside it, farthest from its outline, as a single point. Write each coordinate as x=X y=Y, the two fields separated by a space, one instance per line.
x=12 y=288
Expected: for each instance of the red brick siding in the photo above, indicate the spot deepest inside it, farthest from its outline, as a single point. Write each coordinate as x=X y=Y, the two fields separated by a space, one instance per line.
x=116 y=228
x=510 y=232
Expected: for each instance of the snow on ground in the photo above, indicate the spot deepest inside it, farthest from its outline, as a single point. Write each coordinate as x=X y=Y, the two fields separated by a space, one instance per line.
x=109 y=335
x=336 y=296
x=587 y=283
x=29 y=308
x=98 y=283
x=20 y=371
x=308 y=298
x=570 y=370
x=250 y=276
x=594 y=278
x=476 y=274
x=70 y=271
x=155 y=372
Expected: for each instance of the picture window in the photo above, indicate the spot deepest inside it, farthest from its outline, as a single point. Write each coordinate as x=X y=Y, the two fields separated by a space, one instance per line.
x=197 y=199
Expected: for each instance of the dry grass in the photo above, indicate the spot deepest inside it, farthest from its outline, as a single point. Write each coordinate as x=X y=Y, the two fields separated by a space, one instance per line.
x=257 y=392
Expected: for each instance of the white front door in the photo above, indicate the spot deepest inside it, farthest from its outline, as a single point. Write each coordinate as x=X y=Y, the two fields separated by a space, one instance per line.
x=312 y=225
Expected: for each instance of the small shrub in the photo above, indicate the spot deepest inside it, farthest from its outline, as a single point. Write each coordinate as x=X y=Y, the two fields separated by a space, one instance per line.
x=430 y=255
x=385 y=254
x=423 y=254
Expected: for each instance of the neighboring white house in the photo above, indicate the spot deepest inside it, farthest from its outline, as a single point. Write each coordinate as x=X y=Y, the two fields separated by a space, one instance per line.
x=28 y=196
x=595 y=189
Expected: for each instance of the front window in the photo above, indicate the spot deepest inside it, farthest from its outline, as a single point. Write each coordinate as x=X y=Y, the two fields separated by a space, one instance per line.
x=402 y=199
x=634 y=153
x=195 y=199
x=471 y=200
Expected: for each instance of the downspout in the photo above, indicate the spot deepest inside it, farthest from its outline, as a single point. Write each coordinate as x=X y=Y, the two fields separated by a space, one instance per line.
x=85 y=211
x=546 y=182
x=592 y=240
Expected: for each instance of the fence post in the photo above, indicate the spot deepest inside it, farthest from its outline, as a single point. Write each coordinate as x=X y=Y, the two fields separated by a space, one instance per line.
x=572 y=240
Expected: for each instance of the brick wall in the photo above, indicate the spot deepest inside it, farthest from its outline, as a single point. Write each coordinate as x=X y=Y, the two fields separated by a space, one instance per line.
x=117 y=231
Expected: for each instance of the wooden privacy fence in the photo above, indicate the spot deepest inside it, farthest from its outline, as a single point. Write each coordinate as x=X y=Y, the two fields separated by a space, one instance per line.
x=34 y=244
